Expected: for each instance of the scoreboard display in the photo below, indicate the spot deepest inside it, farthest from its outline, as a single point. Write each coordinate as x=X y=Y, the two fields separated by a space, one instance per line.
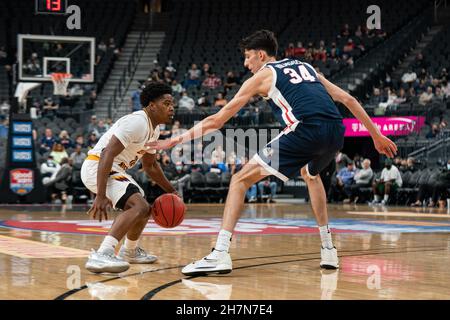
x=51 y=6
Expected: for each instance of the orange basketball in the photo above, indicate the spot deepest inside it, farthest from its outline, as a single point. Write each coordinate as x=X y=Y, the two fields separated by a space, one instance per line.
x=168 y=210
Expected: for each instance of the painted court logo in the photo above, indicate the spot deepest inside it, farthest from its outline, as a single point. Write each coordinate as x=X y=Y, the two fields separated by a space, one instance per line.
x=211 y=226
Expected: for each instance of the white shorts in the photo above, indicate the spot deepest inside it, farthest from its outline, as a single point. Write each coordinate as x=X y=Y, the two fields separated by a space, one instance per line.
x=116 y=186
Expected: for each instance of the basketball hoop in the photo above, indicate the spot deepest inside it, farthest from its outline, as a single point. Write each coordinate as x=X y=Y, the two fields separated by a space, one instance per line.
x=60 y=83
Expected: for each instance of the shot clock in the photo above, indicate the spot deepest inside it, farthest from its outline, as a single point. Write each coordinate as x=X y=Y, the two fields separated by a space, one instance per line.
x=51 y=6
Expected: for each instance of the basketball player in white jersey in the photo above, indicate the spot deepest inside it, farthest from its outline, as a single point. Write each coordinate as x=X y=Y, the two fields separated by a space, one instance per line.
x=302 y=100
x=103 y=173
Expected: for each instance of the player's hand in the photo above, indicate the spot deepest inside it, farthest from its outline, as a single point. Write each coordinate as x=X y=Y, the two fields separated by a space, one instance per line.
x=163 y=144
x=100 y=208
x=385 y=146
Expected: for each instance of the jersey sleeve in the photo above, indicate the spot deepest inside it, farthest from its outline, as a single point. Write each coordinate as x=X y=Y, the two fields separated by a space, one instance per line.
x=131 y=130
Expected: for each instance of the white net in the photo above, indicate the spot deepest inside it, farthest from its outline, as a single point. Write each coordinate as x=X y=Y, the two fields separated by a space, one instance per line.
x=60 y=83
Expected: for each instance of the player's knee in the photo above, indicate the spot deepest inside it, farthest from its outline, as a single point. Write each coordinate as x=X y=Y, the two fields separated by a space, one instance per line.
x=239 y=181
x=143 y=209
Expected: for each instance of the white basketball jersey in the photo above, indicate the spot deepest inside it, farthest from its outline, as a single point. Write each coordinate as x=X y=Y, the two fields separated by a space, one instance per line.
x=133 y=131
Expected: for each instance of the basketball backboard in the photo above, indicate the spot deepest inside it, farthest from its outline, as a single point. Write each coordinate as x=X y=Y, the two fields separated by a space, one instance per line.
x=41 y=55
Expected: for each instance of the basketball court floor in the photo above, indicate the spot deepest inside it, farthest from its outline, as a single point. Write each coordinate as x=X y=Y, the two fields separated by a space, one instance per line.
x=385 y=253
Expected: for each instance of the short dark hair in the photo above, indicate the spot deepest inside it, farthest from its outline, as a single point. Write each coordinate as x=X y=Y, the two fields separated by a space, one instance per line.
x=261 y=40
x=152 y=90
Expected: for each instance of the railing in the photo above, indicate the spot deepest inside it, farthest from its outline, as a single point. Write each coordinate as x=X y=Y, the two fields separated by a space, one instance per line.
x=126 y=78
x=437 y=151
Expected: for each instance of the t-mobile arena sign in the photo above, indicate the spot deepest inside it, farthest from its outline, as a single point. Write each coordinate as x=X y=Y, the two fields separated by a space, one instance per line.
x=389 y=126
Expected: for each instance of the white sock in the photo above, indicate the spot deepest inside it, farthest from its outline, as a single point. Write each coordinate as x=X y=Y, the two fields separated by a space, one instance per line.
x=325 y=237
x=386 y=197
x=223 y=240
x=108 y=244
x=377 y=198
x=130 y=244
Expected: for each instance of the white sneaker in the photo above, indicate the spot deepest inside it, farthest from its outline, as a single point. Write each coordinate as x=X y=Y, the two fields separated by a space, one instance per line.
x=99 y=262
x=215 y=262
x=329 y=258
x=383 y=202
x=137 y=255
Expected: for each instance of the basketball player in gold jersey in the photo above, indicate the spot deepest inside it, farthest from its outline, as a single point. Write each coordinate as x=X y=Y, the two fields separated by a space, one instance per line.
x=103 y=173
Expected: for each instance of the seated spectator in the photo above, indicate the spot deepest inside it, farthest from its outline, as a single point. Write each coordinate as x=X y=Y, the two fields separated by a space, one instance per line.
x=192 y=77
x=186 y=102
x=92 y=126
x=49 y=168
x=65 y=140
x=438 y=95
x=58 y=152
x=59 y=184
x=212 y=81
x=49 y=108
x=231 y=81
x=349 y=46
x=434 y=131
x=341 y=161
x=79 y=141
x=376 y=97
x=176 y=87
x=333 y=52
x=290 y=51
x=411 y=164
x=206 y=70
x=388 y=183
x=267 y=189
x=3 y=127
x=218 y=155
x=92 y=140
x=346 y=32
x=362 y=178
x=426 y=97
x=409 y=77
x=90 y=104
x=446 y=89
x=220 y=100
x=47 y=141
x=135 y=100
x=77 y=156
x=101 y=128
x=344 y=178
x=252 y=194
x=203 y=101
x=392 y=96
x=440 y=188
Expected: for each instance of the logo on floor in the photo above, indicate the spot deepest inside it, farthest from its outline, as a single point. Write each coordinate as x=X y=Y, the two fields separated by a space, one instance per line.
x=210 y=226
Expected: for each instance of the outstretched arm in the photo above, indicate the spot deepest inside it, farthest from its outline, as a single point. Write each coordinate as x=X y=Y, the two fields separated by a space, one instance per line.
x=259 y=84
x=383 y=144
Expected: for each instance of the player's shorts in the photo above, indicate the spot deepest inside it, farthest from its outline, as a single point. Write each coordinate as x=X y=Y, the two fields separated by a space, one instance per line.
x=119 y=187
x=313 y=143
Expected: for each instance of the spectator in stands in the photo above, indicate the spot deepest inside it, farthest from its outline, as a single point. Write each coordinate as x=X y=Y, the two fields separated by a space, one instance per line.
x=135 y=100
x=186 y=102
x=92 y=140
x=345 y=178
x=349 y=46
x=192 y=77
x=409 y=77
x=410 y=94
x=401 y=98
x=50 y=107
x=92 y=126
x=426 y=97
x=411 y=164
x=376 y=97
x=101 y=128
x=49 y=168
x=78 y=156
x=212 y=81
x=357 y=161
x=59 y=152
x=362 y=179
x=358 y=32
x=170 y=67
x=252 y=194
x=65 y=140
x=218 y=155
x=392 y=96
x=230 y=81
x=203 y=101
x=299 y=50
x=268 y=188
x=438 y=95
x=420 y=62
x=220 y=101
x=47 y=141
x=341 y=161
x=90 y=104
x=446 y=88
x=290 y=51
x=79 y=141
x=206 y=70
x=4 y=107
x=59 y=184
x=440 y=188
x=346 y=32
x=176 y=87
x=3 y=127
x=402 y=166
x=434 y=131
x=334 y=52
x=102 y=46
x=388 y=183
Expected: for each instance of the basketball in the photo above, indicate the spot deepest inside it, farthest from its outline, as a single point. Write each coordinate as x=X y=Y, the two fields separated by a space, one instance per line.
x=168 y=210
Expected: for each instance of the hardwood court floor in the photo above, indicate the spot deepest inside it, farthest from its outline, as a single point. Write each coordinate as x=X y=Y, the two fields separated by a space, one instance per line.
x=385 y=253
